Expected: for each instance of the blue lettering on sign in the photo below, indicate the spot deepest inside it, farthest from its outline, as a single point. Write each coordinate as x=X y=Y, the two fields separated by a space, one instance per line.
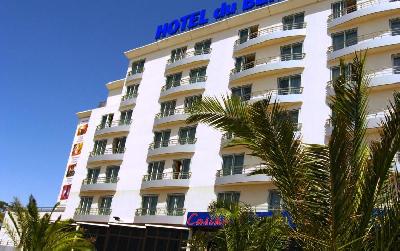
x=199 y=18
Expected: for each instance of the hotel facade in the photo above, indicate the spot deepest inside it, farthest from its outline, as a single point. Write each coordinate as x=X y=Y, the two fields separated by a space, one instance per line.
x=140 y=178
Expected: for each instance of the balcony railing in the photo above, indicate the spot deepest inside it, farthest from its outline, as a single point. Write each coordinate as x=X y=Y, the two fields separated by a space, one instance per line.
x=355 y=7
x=279 y=91
x=107 y=151
x=269 y=60
x=184 y=81
x=160 y=211
x=114 y=123
x=269 y=30
x=379 y=114
x=172 y=142
x=188 y=55
x=245 y=169
x=366 y=37
x=93 y=211
x=49 y=209
x=171 y=112
x=167 y=176
x=129 y=96
x=100 y=180
x=138 y=71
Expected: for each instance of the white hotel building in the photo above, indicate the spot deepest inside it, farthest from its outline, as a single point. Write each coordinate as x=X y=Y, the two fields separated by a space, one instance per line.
x=141 y=168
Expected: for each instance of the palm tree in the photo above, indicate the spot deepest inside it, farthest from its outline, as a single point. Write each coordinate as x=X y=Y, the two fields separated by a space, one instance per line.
x=340 y=195
x=31 y=232
x=244 y=230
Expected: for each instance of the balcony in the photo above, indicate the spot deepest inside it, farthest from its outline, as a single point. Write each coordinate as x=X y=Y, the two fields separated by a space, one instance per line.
x=362 y=11
x=128 y=99
x=106 y=155
x=184 y=86
x=189 y=58
x=166 y=180
x=240 y=175
x=135 y=75
x=265 y=66
x=171 y=116
x=281 y=95
x=113 y=127
x=374 y=42
x=172 y=147
x=160 y=216
x=92 y=215
x=99 y=184
x=271 y=35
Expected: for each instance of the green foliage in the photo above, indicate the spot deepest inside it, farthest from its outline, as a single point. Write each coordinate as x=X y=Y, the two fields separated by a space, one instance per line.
x=341 y=195
x=31 y=232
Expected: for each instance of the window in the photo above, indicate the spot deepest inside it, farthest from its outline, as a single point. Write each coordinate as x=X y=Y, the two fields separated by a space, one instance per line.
x=289 y=85
x=198 y=75
x=395 y=26
x=243 y=92
x=232 y=164
x=396 y=64
x=173 y=80
x=294 y=116
x=343 y=7
x=274 y=200
x=190 y=101
x=178 y=54
x=245 y=62
x=131 y=91
x=167 y=108
x=155 y=170
x=161 y=139
x=119 y=145
x=137 y=66
x=85 y=205
x=149 y=204
x=248 y=33
x=227 y=199
x=175 y=204
x=295 y=21
x=337 y=70
x=292 y=52
x=181 y=169
x=344 y=39
x=106 y=121
x=105 y=205
x=99 y=147
x=112 y=174
x=202 y=47
x=92 y=175
x=187 y=135
x=126 y=117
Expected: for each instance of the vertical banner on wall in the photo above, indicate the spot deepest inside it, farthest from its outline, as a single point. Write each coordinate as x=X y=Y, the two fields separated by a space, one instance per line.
x=65 y=192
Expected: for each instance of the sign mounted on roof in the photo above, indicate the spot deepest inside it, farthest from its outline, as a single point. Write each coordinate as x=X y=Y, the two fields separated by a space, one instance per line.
x=200 y=18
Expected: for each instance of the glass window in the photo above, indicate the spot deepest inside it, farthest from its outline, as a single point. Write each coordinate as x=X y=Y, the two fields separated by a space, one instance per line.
x=119 y=145
x=343 y=7
x=132 y=91
x=126 y=117
x=232 y=164
x=175 y=204
x=274 y=200
x=294 y=116
x=248 y=33
x=202 y=47
x=344 y=39
x=396 y=64
x=336 y=71
x=227 y=199
x=178 y=54
x=105 y=205
x=190 y=101
x=168 y=108
x=161 y=139
x=173 y=80
x=149 y=204
x=155 y=170
x=138 y=66
x=92 y=175
x=245 y=62
x=181 y=169
x=295 y=21
x=198 y=74
x=292 y=52
x=112 y=174
x=106 y=121
x=395 y=26
x=85 y=205
x=187 y=135
x=99 y=147
x=243 y=92
x=289 y=85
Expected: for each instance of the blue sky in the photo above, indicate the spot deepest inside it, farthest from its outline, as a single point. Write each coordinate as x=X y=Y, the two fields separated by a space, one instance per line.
x=55 y=57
